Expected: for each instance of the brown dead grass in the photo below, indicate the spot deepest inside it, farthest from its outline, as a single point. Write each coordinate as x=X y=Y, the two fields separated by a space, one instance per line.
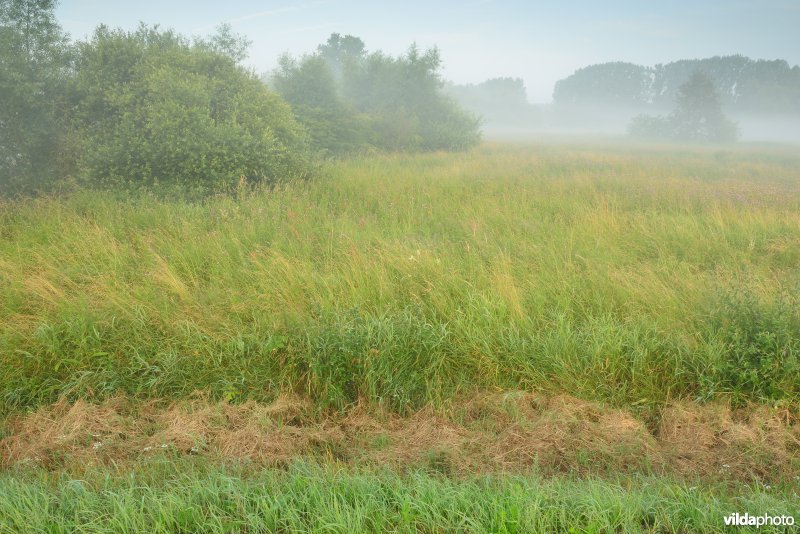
x=505 y=432
x=756 y=442
x=570 y=434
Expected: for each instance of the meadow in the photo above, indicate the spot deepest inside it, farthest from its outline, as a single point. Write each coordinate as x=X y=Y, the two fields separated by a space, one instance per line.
x=556 y=290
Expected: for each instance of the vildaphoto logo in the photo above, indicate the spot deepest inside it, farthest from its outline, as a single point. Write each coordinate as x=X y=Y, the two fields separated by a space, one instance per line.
x=758 y=521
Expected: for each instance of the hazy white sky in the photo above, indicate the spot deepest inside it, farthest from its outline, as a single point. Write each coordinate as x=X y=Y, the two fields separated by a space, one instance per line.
x=538 y=41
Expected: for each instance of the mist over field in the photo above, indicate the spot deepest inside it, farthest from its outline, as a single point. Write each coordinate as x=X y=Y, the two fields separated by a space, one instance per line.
x=585 y=68
x=349 y=266
x=761 y=97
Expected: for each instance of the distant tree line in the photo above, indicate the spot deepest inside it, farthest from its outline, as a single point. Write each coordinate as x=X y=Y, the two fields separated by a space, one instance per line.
x=127 y=109
x=743 y=84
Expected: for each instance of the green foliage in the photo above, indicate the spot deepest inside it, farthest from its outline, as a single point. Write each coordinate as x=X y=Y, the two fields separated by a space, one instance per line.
x=227 y=43
x=761 y=341
x=342 y=52
x=34 y=61
x=395 y=360
x=126 y=110
x=404 y=98
x=152 y=108
x=309 y=86
x=349 y=99
x=697 y=116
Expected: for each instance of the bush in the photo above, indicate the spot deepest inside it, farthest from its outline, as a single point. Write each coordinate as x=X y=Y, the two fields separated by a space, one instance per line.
x=151 y=108
x=649 y=127
x=762 y=346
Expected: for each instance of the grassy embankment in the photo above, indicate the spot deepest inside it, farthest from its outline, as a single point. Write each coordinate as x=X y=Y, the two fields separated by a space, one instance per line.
x=404 y=280
x=638 y=281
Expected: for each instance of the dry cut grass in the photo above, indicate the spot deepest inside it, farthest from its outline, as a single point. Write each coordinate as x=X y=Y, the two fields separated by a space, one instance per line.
x=512 y=432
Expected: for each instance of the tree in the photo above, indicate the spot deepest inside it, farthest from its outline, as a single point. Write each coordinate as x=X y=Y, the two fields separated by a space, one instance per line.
x=393 y=103
x=697 y=116
x=745 y=85
x=342 y=52
x=607 y=84
x=227 y=43
x=309 y=86
x=34 y=63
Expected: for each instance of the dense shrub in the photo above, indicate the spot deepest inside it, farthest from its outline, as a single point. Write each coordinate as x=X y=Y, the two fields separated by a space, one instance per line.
x=762 y=346
x=153 y=108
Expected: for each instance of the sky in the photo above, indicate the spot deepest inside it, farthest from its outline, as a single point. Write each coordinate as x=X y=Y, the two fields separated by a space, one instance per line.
x=540 y=42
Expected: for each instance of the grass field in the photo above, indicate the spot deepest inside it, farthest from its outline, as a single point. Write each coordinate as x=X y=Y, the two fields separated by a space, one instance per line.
x=644 y=292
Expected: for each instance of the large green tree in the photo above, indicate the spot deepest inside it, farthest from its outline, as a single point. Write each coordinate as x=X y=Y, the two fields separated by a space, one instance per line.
x=405 y=97
x=349 y=98
x=34 y=64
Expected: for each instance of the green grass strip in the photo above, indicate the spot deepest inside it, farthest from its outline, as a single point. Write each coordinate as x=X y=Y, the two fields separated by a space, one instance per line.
x=165 y=497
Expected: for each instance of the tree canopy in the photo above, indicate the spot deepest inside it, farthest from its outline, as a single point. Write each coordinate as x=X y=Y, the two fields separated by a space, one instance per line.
x=34 y=65
x=697 y=116
x=131 y=109
x=349 y=98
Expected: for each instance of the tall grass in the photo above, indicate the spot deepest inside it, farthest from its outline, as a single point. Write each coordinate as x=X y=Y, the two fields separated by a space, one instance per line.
x=404 y=280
